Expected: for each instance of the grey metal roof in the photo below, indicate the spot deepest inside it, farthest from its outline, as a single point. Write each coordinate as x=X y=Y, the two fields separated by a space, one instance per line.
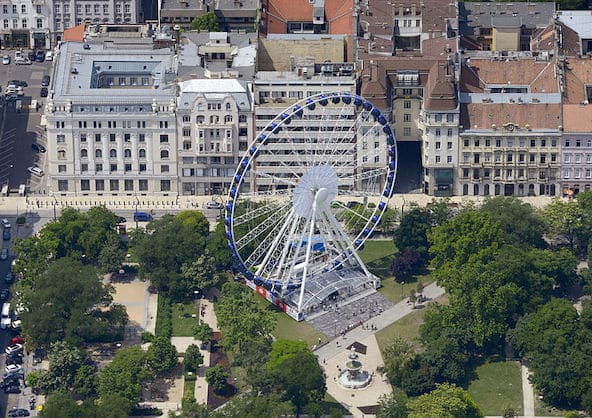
x=78 y=69
x=214 y=89
x=580 y=21
x=475 y=15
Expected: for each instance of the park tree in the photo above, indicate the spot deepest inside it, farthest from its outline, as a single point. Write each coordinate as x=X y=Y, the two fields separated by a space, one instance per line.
x=300 y=379
x=203 y=332
x=201 y=272
x=412 y=231
x=67 y=293
x=125 y=375
x=397 y=355
x=167 y=245
x=193 y=358
x=112 y=255
x=65 y=361
x=283 y=349
x=161 y=356
x=519 y=221
x=565 y=220
x=407 y=264
x=85 y=381
x=393 y=405
x=253 y=405
x=241 y=318
x=218 y=247
x=207 y=22
x=113 y=406
x=217 y=377
x=446 y=401
x=61 y=405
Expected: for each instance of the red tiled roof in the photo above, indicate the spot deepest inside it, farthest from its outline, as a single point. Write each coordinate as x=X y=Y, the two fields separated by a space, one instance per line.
x=75 y=34
x=484 y=115
x=277 y=13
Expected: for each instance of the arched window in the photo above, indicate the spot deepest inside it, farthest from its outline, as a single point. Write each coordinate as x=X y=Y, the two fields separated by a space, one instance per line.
x=186 y=118
x=83 y=153
x=113 y=153
x=164 y=154
x=242 y=118
x=228 y=119
x=200 y=119
x=142 y=153
x=127 y=153
x=227 y=106
x=98 y=153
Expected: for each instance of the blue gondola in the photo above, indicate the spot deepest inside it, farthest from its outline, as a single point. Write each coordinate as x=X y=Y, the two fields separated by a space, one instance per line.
x=298 y=111
x=367 y=105
x=346 y=98
x=382 y=120
x=323 y=100
x=310 y=104
x=387 y=129
x=390 y=139
x=335 y=98
x=358 y=101
x=381 y=205
x=286 y=118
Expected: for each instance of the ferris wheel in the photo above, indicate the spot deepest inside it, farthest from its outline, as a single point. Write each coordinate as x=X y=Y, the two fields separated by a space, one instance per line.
x=310 y=189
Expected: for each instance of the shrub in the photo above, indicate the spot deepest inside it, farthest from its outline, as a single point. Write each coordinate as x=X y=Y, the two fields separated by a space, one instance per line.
x=147 y=337
x=164 y=317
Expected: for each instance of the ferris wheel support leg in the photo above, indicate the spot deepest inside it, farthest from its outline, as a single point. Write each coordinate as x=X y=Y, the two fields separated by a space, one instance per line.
x=308 y=249
x=275 y=243
x=286 y=248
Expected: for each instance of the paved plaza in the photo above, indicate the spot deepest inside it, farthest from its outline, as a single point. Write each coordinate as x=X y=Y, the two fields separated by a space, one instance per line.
x=343 y=316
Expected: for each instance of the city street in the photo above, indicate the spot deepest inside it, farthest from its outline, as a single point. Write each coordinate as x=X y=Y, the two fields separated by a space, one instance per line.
x=19 y=129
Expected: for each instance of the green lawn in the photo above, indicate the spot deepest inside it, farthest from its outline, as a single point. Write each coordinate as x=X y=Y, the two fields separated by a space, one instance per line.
x=189 y=389
x=497 y=386
x=182 y=321
x=407 y=327
x=378 y=256
x=330 y=405
x=287 y=328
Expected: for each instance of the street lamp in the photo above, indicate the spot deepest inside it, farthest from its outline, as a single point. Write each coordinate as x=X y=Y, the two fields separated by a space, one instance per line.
x=136 y=211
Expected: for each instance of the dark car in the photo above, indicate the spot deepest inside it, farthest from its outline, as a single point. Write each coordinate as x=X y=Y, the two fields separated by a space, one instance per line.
x=13 y=389
x=4 y=294
x=18 y=412
x=43 y=92
x=121 y=220
x=14 y=360
x=39 y=56
x=45 y=81
x=6 y=235
x=17 y=83
x=31 y=55
x=38 y=147
x=10 y=381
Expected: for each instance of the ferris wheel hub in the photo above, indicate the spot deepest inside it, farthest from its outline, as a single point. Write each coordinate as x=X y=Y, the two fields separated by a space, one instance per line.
x=319 y=184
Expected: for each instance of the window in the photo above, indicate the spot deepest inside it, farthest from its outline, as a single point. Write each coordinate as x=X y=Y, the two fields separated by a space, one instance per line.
x=186 y=131
x=143 y=185
x=127 y=168
x=142 y=167
x=438 y=118
x=97 y=137
x=141 y=138
x=63 y=185
x=165 y=185
x=113 y=153
x=5 y=8
x=437 y=144
x=449 y=145
x=39 y=22
x=84 y=185
x=61 y=138
x=5 y=23
x=437 y=159
x=83 y=167
x=164 y=168
x=437 y=131
x=127 y=153
x=98 y=153
x=450 y=117
x=407 y=117
x=407 y=104
x=14 y=9
x=466 y=142
x=98 y=167
x=488 y=142
x=164 y=138
x=142 y=153
x=406 y=131
x=62 y=168
x=128 y=185
x=105 y=9
x=498 y=143
x=449 y=132
x=114 y=185
x=449 y=159
x=23 y=9
x=99 y=185
x=164 y=154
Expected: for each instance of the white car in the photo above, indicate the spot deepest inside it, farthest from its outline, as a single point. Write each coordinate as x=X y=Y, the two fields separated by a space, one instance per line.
x=36 y=170
x=214 y=205
x=49 y=56
x=4 y=254
x=14 y=349
x=13 y=368
x=5 y=223
x=5 y=60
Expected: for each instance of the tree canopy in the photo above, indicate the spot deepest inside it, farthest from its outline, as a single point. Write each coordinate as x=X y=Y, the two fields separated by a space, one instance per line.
x=446 y=401
x=207 y=22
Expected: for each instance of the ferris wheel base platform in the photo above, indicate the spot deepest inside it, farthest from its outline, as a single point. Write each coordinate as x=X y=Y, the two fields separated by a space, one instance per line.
x=348 y=285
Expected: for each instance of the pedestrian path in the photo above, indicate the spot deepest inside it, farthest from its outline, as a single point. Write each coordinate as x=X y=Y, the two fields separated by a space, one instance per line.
x=527 y=393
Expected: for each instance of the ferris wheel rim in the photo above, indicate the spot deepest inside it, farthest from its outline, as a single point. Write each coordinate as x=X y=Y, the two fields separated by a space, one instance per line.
x=284 y=118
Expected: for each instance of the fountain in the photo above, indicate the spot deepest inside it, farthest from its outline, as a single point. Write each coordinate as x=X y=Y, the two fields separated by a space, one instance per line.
x=353 y=377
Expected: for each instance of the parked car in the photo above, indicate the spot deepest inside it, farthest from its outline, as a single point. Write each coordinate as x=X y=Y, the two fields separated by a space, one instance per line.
x=214 y=205
x=38 y=147
x=31 y=55
x=142 y=217
x=9 y=277
x=6 y=235
x=11 y=97
x=5 y=223
x=40 y=56
x=13 y=389
x=18 y=412
x=12 y=380
x=4 y=255
x=14 y=360
x=5 y=295
x=121 y=220
x=36 y=170
x=49 y=56
x=5 y=60
x=44 y=92
x=16 y=348
x=45 y=81
x=23 y=61
x=16 y=326
x=17 y=340
x=13 y=368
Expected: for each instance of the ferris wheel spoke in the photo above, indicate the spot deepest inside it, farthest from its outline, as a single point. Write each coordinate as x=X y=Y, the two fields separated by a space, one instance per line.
x=270 y=242
x=257 y=212
x=276 y=179
x=261 y=228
